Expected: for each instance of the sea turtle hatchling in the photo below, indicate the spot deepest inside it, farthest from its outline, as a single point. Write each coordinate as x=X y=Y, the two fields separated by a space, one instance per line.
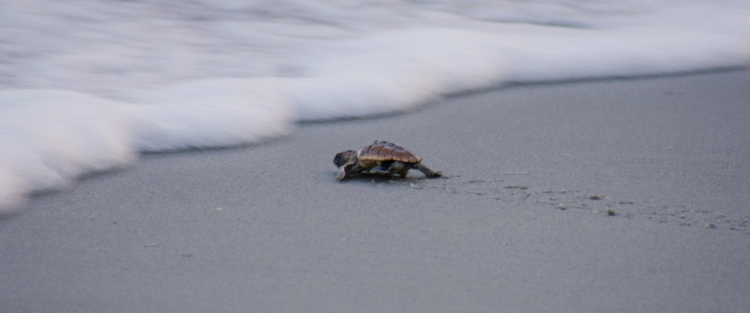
x=380 y=158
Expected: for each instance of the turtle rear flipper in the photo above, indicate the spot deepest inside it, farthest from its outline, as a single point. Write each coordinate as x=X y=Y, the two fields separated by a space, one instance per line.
x=428 y=172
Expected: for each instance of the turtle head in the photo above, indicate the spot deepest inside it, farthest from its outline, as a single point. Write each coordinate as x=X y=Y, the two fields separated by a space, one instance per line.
x=343 y=157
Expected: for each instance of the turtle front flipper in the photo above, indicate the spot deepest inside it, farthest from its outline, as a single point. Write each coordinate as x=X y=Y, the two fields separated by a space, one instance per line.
x=428 y=172
x=347 y=170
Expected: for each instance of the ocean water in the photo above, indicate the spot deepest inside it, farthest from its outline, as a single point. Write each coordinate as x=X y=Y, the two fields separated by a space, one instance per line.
x=88 y=85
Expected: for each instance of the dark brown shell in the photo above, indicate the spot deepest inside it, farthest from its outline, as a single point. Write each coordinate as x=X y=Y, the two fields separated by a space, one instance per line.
x=386 y=151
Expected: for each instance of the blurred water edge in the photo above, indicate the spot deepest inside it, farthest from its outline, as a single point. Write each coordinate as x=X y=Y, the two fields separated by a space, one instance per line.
x=85 y=85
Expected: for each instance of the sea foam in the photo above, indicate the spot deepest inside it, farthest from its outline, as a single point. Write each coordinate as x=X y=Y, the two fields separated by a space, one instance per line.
x=87 y=85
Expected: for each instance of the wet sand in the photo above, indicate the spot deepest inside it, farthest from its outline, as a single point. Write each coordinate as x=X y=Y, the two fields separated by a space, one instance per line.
x=627 y=195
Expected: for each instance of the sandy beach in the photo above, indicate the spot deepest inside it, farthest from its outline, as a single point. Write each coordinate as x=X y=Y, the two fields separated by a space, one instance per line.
x=620 y=195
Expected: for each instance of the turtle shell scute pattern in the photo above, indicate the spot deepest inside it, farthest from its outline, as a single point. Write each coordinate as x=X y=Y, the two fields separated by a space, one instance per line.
x=386 y=151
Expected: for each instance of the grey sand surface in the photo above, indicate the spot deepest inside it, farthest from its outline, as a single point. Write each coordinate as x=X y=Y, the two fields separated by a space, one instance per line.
x=598 y=196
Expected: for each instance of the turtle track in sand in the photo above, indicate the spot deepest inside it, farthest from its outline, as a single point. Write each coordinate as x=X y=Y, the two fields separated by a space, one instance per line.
x=573 y=200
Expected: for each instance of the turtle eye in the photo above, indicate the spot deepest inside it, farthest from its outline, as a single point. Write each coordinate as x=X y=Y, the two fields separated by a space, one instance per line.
x=337 y=159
